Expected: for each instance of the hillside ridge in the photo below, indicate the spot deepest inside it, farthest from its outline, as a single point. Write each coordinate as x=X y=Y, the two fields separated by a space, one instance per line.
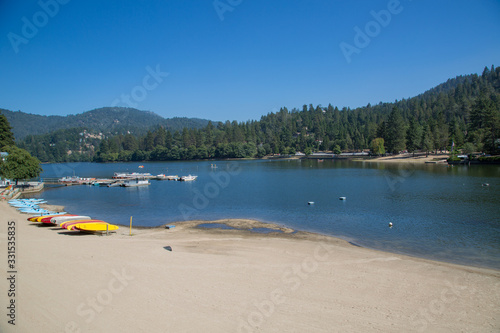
x=107 y=120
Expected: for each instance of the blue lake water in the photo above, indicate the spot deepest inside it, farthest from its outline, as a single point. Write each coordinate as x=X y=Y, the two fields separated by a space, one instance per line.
x=438 y=212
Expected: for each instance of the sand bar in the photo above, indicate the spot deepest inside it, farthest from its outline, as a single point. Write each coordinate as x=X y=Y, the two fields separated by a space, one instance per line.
x=233 y=281
x=440 y=158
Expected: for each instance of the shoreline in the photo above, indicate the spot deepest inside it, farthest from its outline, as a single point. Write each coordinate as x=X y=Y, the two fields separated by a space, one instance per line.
x=409 y=158
x=401 y=158
x=244 y=229
x=244 y=226
x=193 y=279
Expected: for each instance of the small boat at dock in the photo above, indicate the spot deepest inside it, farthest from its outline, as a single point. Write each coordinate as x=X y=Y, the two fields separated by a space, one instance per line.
x=188 y=178
x=133 y=175
x=103 y=182
x=75 y=180
x=135 y=182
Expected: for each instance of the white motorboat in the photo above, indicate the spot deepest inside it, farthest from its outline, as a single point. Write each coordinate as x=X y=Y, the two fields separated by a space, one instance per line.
x=133 y=175
x=188 y=178
x=135 y=182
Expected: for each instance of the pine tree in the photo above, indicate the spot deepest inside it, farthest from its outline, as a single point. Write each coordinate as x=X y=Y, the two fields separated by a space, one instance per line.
x=485 y=122
x=396 y=133
x=413 y=136
x=6 y=136
x=427 y=140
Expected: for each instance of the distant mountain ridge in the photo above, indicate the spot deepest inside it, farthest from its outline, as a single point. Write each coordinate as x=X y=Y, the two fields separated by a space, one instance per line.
x=108 y=120
x=461 y=114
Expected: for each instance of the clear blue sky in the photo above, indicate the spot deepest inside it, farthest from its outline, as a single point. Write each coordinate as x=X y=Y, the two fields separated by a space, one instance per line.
x=262 y=56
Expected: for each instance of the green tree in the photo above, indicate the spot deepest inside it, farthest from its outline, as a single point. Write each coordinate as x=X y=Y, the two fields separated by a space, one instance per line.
x=377 y=146
x=160 y=137
x=485 y=121
x=382 y=130
x=427 y=140
x=337 y=150
x=19 y=164
x=104 y=147
x=6 y=136
x=149 y=144
x=395 y=133
x=261 y=151
x=130 y=143
x=202 y=152
x=469 y=148
x=413 y=136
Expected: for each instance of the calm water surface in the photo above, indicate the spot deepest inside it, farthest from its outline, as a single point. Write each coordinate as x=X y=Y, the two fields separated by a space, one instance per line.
x=437 y=211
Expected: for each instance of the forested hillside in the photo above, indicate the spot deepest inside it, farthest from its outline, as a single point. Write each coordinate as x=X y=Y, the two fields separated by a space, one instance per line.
x=64 y=145
x=463 y=112
x=108 y=121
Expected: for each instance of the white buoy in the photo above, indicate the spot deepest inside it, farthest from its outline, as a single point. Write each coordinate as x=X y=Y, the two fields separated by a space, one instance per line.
x=310 y=203
x=390 y=224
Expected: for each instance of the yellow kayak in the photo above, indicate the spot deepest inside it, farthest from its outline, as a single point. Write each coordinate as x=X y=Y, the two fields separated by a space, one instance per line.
x=95 y=227
x=69 y=224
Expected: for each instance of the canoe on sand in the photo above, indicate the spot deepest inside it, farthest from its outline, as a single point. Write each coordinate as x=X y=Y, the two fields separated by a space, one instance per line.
x=95 y=227
x=66 y=218
x=48 y=219
x=68 y=224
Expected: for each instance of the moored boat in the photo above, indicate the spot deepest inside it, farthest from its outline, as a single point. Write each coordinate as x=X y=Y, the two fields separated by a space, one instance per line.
x=75 y=180
x=133 y=175
x=103 y=181
x=188 y=178
x=135 y=182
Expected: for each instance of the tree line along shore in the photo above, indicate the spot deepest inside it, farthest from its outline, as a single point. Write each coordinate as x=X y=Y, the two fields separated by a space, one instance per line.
x=461 y=115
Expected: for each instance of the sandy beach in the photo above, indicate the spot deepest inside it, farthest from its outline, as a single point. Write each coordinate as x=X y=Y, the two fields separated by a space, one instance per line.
x=230 y=281
x=409 y=158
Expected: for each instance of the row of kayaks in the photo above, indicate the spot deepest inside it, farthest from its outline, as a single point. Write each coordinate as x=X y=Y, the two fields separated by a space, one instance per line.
x=75 y=222
x=31 y=206
x=63 y=219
